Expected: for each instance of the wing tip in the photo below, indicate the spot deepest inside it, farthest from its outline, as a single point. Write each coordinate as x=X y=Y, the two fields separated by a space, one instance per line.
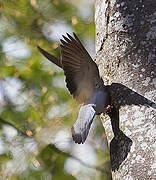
x=78 y=138
x=50 y=57
x=69 y=35
x=70 y=38
x=63 y=42
x=75 y=36
x=39 y=48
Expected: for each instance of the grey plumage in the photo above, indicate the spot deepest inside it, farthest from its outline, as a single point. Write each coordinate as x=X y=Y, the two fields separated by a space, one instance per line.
x=83 y=82
x=83 y=123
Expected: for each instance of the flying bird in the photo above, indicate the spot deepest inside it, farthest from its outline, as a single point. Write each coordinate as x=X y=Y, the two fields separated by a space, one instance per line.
x=84 y=83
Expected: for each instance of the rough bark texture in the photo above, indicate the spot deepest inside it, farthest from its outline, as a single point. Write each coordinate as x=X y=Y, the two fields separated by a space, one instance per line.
x=125 y=51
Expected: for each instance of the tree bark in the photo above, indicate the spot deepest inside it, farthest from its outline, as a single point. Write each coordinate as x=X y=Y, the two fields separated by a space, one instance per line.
x=125 y=54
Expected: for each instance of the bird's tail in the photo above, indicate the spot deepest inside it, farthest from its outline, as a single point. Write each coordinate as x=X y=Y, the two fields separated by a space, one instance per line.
x=81 y=127
x=52 y=58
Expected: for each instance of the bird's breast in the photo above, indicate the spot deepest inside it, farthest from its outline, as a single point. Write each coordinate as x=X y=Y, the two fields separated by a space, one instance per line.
x=100 y=99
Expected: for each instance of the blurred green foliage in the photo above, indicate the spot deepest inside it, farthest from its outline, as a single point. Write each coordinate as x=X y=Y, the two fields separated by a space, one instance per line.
x=29 y=89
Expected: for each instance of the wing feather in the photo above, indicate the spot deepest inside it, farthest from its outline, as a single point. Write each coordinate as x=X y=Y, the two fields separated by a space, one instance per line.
x=80 y=70
x=81 y=127
x=52 y=58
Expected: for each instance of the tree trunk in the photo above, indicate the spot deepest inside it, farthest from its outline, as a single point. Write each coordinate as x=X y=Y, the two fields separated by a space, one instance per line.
x=125 y=51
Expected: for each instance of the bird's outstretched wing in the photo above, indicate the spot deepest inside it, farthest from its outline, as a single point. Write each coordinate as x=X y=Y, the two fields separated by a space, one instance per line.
x=52 y=58
x=82 y=74
x=81 y=127
x=82 y=80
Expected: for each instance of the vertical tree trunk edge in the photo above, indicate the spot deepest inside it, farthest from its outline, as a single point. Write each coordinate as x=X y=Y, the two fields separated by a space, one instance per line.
x=125 y=54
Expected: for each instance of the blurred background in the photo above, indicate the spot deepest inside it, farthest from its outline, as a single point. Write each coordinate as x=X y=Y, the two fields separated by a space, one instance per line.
x=36 y=109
